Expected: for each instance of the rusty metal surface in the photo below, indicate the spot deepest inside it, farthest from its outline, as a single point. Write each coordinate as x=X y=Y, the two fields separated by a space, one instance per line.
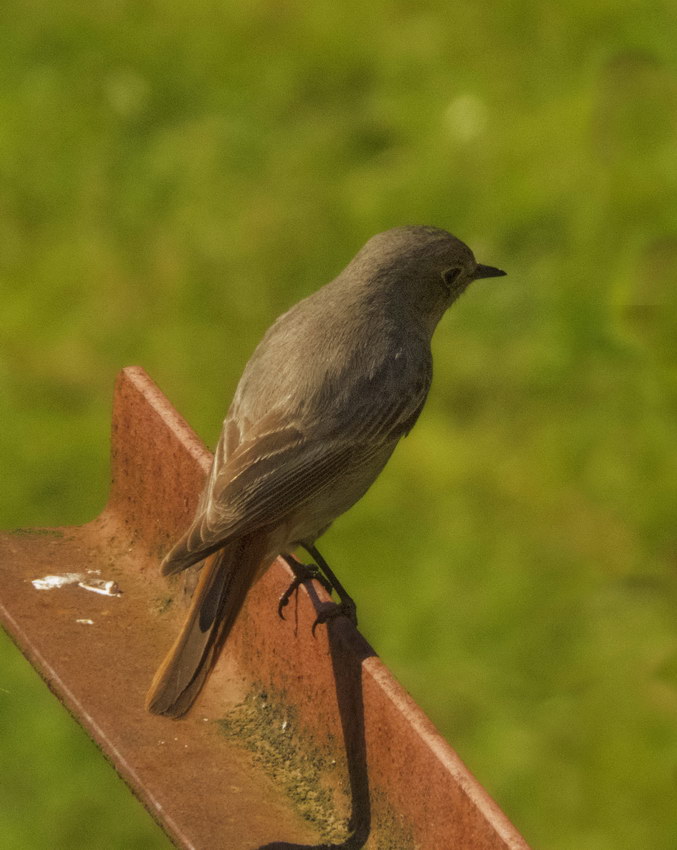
x=296 y=741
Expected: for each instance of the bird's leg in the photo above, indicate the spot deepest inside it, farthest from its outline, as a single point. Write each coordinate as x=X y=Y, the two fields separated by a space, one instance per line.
x=302 y=572
x=346 y=606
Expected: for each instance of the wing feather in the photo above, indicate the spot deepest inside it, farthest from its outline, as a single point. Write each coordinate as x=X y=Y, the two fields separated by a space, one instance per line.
x=277 y=468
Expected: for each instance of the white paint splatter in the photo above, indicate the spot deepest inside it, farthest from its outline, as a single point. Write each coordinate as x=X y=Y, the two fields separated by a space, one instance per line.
x=100 y=585
x=95 y=585
x=50 y=582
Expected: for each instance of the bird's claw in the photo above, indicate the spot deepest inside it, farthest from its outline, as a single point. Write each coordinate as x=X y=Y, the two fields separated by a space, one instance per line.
x=286 y=596
x=302 y=573
x=345 y=608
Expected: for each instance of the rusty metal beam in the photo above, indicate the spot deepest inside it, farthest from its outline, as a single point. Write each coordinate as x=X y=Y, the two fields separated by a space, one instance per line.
x=297 y=741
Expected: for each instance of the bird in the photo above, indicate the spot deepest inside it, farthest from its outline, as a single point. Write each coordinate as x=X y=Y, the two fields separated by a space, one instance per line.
x=336 y=382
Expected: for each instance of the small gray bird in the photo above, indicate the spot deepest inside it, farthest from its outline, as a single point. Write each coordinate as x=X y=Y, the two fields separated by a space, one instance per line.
x=333 y=386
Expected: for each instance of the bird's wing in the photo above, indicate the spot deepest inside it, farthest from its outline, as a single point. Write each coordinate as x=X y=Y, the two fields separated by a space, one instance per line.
x=277 y=469
x=258 y=488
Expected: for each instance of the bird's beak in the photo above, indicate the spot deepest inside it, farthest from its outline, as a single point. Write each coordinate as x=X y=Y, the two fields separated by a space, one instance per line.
x=487 y=271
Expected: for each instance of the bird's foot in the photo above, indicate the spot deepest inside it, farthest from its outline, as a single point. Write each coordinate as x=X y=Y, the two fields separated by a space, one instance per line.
x=345 y=608
x=302 y=573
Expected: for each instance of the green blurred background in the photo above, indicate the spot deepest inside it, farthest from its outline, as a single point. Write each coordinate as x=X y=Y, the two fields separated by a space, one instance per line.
x=173 y=176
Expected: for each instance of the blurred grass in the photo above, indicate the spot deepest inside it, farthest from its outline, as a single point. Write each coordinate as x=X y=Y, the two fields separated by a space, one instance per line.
x=174 y=177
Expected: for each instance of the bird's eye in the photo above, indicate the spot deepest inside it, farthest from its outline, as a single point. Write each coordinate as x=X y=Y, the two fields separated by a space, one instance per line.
x=450 y=276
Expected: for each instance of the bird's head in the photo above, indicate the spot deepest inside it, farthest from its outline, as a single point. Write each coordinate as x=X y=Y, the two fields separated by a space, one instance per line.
x=422 y=269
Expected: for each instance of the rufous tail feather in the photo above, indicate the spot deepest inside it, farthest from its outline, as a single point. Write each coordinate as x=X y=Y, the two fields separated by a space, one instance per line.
x=217 y=600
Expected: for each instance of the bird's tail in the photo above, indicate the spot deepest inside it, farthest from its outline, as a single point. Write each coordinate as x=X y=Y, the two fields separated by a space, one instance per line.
x=219 y=596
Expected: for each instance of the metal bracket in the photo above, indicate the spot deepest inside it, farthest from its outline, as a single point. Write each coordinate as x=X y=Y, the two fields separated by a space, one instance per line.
x=297 y=741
